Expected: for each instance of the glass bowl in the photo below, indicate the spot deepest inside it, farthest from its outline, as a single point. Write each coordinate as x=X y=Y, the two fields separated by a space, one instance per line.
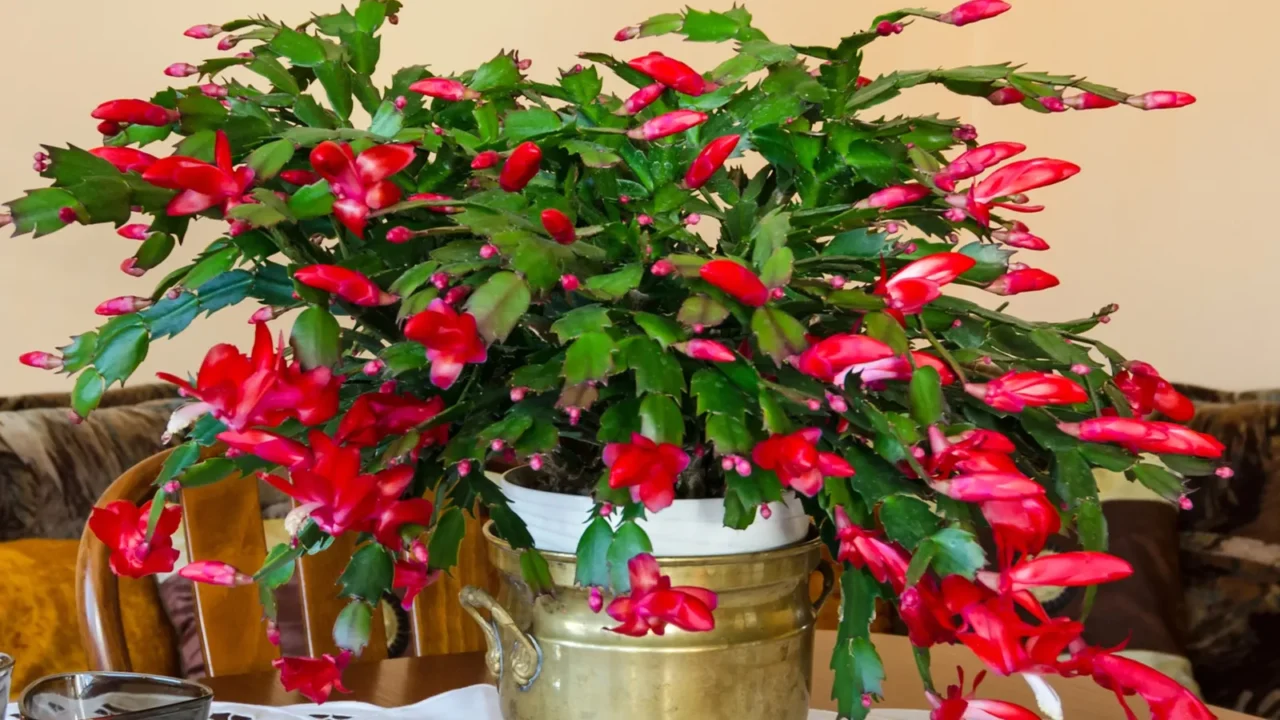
x=91 y=695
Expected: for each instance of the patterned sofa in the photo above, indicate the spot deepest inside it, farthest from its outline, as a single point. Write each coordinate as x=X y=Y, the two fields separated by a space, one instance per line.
x=1208 y=585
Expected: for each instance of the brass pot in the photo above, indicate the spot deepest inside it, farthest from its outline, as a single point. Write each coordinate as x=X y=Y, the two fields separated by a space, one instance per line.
x=553 y=659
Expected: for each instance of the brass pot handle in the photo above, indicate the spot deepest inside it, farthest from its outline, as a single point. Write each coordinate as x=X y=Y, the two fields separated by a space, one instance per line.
x=828 y=584
x=526 y=654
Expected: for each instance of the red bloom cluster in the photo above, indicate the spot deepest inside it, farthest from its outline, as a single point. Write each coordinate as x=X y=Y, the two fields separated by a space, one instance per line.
x=203 y=185
x=451 y=340
x=648 y=468
x=797 y=461
x=122 y=527
x=654 y=603
x=360 y=182
x=1146 y=391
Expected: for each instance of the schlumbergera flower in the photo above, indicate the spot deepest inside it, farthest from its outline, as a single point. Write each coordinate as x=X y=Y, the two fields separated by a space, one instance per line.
x=485 y=270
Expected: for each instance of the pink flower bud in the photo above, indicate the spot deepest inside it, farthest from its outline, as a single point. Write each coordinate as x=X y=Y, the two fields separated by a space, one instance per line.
x=488 y=250
x=837 y=281
x=575 y=414
x=1088 y=101
x=399 y=234
x=692 y=219
x=39 y=166
x=667 y=124
x=457 y=294
x=181 y=70
x=123 y=305
x=1081 y=369
x=662 y=268
x=742 y=466
x=866 y=700
x=245 y=55
x=401 y=102
x=629 y=32
x=1161 y=100
x=497 y=445
x=973 y=11
x=641 y=99
x=624 y=199
x=264 y=314
x=891 y=228
x=954 y=214
x=213 y=90
x=215 y=573
x=228 y=42
x=68 y=215
x=1052 y=103
x=74 y=417
x=485 y=160
x=136 y=231
x=203 y=32
x=813 y=405
x=394 y=19
x=837 y=403
x=41 y=360
x=573 y=70
x=40 y=156
x=1184 y=502
x=172 y=487
x=965 y=133
x=518 y=393
x=373 y=367
x=909 y=248
x=644 y=220
x=1105 y=319
x=535 y=462
x=464 y=468
x=569 y=282
x=595 y=600
x=1006 y=96
x=1224 y=472
x=273 y=632
x=886 y=28
x=109 y=128
x=766 y=512
x=438 y=130
x=129 y=266
x=440 y=280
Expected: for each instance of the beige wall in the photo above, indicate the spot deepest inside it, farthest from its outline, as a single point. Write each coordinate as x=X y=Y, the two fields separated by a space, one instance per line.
x=1171 y=217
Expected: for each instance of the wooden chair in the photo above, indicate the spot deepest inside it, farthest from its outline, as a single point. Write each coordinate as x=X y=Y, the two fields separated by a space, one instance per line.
x=223 y=521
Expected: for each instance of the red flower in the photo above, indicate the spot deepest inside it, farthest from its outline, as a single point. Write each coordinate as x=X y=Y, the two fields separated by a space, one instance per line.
x=892 y=197
x=437 y=197
x=831 y=359
x=413 y=577
x=973 y=162
x=122 y=527
x=125 y=159
x=983 y=486
x=710 y=159
x=450 y=338
x=1013 y=179
x=1020 y=281
x=521 y=167
x=350 y=285
x=213 y=572
x=1006 y=96
x=887 y=562
x=203 y=185
x=393 y=513
x=376 y=416
x=995 y=632
x=709 y=350
x=667 y=124
x=360 y=184
x=444 y=89
x=137 y=112
x=1088 y=101
x=736 y=280
x=974 y=451
x=672 y=73
x=928 y=619
x=1165 y=697
x=1069 y=569
x=1021 y=526
x=1157 y=100
x=485 y=160
x=315 y=678
x=1014 y=391
x=263 y=389
x=559 y=226
x=338 y=496
x=958 y=706
x=1145 y=436
x=973 y=11
x=1147 y=391
x=648 y=468
x=797 y=461
x=641 y=99
x=899 y=368
x=920 y=282
x=269 y=446
x=653 y=603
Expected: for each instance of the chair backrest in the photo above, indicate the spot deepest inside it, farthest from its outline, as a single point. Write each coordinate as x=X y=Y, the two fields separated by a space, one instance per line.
x=223 y=521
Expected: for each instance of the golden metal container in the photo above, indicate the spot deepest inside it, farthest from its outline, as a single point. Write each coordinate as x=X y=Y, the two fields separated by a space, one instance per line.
x=553 y=660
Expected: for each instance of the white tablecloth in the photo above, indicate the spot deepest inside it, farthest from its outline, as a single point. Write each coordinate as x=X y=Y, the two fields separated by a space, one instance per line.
x=479 y=702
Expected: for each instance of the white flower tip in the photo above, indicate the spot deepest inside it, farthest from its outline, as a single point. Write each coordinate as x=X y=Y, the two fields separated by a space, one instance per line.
x=1046 y=697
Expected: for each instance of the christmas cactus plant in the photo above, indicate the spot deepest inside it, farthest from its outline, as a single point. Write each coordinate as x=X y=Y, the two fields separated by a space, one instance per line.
x=496 y=267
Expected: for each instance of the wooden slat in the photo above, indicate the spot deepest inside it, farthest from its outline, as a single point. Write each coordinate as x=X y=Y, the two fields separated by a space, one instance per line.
x=224 y=522
x=440 y=627
x=318 y=580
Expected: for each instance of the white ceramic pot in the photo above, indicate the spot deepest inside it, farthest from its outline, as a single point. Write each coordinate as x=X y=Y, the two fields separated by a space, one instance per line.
x=687 y=528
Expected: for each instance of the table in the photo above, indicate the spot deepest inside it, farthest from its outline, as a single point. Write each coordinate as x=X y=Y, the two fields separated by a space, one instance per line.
x=404 y=681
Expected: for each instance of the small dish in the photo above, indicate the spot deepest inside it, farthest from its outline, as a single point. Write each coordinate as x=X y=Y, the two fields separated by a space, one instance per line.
x=127 y=696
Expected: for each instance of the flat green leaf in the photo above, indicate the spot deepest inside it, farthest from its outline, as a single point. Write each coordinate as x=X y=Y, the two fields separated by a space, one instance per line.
x=120 y=352
x=316 y=338
x=590 y=357
x=404 y=357
x=769 y=236
x=729 y=434
x=498 y=305
x=777 y=270
x=534 y=122
x=275 y=73
x=887 y=330
x=536 y=573
x=208 y=472
x=352 y=628
x=614 y=285
x=620 y=421
x=1159 y=480
x=583 y=87
x=413 y=278
x=593 y=554
x=715 y=394
x=315 y=200
x=628 y=541
x=336 y=80
x=907 y=520
x=958 y=553
x=211 y=266
x=387 y=122
x=78 y=354
x=709 y=26
x=775 y=418
x=701 y=311
x=38 y=211
x=779 y=335
x=88 y=392
x=301 y=49
x=201 y=113
x=446 y=539
x=593 y=155
x=499 y=73
x=370 y=14
x=277 y=568
x=579 y=321
x=925 y=391
x=368 y=575
x=312 y=115
x=268 y=160
x=661 y=420
x=659 y=328
x=656 y=369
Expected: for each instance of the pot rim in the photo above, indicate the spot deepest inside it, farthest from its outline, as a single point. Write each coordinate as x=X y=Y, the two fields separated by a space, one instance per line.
x=509 y=477
x=813 y=543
